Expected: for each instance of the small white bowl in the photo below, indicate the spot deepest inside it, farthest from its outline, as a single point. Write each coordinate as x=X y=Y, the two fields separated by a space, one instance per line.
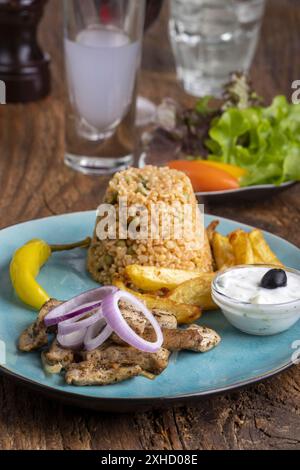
x=257 y=319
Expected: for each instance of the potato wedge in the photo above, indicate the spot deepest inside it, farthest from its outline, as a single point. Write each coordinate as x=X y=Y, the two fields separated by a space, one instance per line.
x=242 y=248
x=151 y=279
x=262 y=252
x=211 y=230
x=257 y=258
x=184 y=313
x=195 y=292
x=222 y=251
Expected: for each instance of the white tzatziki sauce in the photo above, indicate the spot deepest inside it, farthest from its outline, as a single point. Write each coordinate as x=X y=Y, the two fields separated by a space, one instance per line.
x=244 y=285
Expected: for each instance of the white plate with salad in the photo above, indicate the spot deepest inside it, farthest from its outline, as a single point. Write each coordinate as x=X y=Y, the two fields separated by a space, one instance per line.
x=232 y=149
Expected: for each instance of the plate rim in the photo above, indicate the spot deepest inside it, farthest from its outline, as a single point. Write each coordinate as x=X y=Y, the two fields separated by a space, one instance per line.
x=142 y=400
x=78 y=397
x=258 y=187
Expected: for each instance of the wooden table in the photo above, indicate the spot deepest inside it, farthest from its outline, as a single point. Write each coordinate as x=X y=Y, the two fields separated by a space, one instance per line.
x=35 y=183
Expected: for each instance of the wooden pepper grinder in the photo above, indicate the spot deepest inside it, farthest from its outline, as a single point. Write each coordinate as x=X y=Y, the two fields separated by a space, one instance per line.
x=23 y=66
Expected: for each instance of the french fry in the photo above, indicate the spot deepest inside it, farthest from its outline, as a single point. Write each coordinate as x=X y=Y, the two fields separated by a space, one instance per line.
x=151 y=279
x=242 y=247
x=195 y=292
x=262 y=252
x=257 y=258
x=184 y=313
x=211 y=230
x=222 y=251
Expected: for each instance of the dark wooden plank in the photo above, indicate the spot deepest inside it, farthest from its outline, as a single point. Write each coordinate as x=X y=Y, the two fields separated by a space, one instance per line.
x=35 y=183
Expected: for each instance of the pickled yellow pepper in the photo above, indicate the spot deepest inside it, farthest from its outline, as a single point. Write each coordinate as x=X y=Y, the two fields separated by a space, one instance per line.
x=26 y=264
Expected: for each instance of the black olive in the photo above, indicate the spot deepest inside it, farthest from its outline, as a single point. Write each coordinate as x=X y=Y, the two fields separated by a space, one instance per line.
x=274 y=278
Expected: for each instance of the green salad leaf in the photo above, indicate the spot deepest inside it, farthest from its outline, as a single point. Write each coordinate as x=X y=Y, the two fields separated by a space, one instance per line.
x=263 y=140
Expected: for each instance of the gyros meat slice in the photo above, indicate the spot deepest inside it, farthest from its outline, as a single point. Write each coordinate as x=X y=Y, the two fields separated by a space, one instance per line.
x=127 y=356
x=35 y=336
x=93 y=373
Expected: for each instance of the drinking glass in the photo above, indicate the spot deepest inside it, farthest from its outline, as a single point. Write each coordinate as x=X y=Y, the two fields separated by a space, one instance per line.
x=146 y=109
x=213 y=38
x=102 y=51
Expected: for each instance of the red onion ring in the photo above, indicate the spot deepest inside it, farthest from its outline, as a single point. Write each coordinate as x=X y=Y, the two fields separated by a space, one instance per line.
x=115 y=320
x=72 y=340
x=76 y=324
x=97 y=334
x=67 y=310
x=97 y=328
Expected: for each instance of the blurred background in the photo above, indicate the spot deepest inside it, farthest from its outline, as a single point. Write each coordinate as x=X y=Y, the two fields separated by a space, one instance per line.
x=275 y=66
x=35 y=181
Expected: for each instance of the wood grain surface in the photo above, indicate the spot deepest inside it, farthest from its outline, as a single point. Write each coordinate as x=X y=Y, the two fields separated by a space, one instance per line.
x=35 y=183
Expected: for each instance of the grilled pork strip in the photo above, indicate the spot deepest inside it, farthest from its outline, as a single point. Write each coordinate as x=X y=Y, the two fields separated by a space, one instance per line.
x=115 y=361
x=210 y=339
x=128 y=356
x=93 y=373
x=135 y=319
x=57 y=356
x=35 y=336
x=194 y=338
x=165 y=320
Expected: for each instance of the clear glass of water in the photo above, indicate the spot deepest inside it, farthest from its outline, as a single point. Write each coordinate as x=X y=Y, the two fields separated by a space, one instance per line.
x=213 y=38
x=102 y=53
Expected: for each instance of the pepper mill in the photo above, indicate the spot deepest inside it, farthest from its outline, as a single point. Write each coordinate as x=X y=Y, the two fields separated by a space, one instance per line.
x=24 y=67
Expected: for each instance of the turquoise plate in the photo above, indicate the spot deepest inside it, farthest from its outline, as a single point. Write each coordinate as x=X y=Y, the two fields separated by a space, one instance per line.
x=239 y=360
